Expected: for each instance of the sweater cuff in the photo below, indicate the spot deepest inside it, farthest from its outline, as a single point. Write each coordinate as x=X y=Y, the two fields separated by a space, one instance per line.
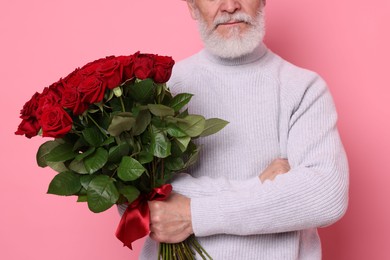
x=206 y=216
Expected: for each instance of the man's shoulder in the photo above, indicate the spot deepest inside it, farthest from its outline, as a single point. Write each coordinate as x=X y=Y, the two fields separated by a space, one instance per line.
x=287 y=71
x=294 y=76
x=296 y=82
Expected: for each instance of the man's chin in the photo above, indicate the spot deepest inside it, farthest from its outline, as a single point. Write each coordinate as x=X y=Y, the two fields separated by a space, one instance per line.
x=229 y=53
x=231 y=47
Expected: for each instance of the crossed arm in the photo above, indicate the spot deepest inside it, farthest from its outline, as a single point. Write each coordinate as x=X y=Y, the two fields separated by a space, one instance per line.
x=171 y=219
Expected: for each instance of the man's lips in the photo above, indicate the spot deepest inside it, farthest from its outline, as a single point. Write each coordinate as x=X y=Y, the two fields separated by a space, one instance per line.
x=231 y=23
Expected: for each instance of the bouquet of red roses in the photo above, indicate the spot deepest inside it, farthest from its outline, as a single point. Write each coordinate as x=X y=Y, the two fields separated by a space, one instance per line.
x=119 y=137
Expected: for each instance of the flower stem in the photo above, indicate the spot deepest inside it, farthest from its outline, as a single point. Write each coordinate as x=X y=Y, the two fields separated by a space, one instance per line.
x=185 y=250
x=188 y=251
x=122 y=104
x=162 y=169
x=197 y=245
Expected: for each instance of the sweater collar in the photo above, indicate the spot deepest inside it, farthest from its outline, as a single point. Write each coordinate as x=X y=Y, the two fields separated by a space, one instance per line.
x=257 y=54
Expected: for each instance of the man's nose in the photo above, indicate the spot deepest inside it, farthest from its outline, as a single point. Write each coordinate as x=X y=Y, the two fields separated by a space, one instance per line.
x=230 y=6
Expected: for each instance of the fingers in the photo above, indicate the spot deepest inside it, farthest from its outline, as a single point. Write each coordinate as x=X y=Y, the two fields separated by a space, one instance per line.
x=277 y=166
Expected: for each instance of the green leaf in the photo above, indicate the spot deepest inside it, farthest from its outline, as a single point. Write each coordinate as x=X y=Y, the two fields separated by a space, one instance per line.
x=81 y=156
x=85 y=180
x=44 y=150
x=174 y=164
x=141 y=122
x=61 y=153
x=175 y=149
x=161 y=110
x=80 y=142
x=82 y=198
x=167 y=97
x=57 y=166
x=108 y=141
x=159 y=122
x=175 y=131
x=183 y=114
x=78 y=166
x=142 y=90
x=193 y=158
x=160 y=145
x=130 y=192
x=96 y=161
x=82 y=191
x=194 y=126
x=65 y=184
x=180 y=100
x=93 y=136
x=183 y=142
x=117 y=152
x=130 y=169
x=120 y=123
x=101 y=193
x=145 y=157
x=110 y=168
x=213 y=125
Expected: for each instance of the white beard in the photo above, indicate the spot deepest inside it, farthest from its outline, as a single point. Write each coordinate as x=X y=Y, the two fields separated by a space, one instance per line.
x=236 y=44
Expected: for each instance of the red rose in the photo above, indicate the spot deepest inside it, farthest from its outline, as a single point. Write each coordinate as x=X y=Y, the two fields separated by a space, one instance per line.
x=128 y=65
x=73 y=79
x=72 y=99
x=57 y=88
x=110 y=71
x=48 y=98
x=91 y=67
x=29 y=127
x=143 y=66
x=92 y=89
x=55 y=122
x=162 y=68
x=30 y=108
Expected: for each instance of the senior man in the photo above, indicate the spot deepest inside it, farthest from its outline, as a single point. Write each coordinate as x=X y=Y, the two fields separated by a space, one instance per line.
x=282 y=120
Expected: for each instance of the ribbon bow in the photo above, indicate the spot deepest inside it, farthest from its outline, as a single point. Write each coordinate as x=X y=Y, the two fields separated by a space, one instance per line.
x=135 y=221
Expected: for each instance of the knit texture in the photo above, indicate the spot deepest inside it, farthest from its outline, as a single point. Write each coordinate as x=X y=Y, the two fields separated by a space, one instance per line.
x=275 y=109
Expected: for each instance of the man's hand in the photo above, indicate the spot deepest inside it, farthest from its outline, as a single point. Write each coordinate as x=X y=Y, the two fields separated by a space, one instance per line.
x=170 y=220
x=278 y=166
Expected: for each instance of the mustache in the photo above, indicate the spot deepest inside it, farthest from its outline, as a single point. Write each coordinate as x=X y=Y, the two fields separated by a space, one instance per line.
x=236 y=17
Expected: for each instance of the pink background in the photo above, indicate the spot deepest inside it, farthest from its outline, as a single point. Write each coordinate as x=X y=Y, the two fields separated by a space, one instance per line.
x=347 y=42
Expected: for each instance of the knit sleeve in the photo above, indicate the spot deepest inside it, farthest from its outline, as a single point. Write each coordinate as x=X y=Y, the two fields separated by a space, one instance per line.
x=192 y=187
x=313 y=193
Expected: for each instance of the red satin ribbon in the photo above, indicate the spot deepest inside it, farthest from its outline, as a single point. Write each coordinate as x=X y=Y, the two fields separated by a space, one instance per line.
x=135 y=221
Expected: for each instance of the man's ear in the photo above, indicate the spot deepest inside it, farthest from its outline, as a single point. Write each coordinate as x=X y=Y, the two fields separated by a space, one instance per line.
x=193 y=9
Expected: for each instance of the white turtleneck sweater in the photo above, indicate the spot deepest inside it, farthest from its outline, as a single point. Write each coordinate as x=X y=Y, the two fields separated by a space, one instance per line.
x=275 y=109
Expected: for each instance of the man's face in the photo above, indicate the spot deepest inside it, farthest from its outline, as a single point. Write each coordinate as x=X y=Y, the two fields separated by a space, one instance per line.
x=229 y=28
x=213 y=11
